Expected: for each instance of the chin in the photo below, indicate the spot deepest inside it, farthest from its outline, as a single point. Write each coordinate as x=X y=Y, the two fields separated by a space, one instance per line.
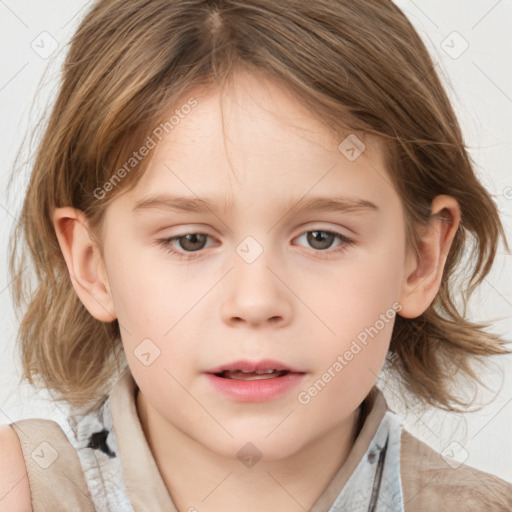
x=252 y=447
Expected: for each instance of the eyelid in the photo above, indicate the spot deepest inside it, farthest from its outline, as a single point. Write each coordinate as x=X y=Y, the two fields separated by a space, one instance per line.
x=167 y=243
x=346 y=242
x=324 y=226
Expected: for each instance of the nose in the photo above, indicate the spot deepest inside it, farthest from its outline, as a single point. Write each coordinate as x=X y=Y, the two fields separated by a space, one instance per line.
x=255 y=294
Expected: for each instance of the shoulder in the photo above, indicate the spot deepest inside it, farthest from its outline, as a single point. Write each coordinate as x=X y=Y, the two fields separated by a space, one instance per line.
x=14 y=485
x=432 y=482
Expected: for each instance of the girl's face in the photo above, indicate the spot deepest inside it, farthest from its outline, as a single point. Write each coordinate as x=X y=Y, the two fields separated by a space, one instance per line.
x=259 y=265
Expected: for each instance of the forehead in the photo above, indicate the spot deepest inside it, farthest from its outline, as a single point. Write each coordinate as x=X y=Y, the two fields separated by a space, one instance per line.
x=256 y=136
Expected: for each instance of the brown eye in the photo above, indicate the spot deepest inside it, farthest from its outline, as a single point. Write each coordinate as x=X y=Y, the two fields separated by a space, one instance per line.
x=184 y=246
x=320 y=239
x=191 y=242
x=321 y=242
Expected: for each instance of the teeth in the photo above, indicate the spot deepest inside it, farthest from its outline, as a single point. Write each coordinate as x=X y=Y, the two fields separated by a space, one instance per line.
x=252 y=375
x=259 y=372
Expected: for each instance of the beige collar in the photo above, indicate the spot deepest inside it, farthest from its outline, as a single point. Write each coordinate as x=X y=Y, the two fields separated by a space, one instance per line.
x=144 y=484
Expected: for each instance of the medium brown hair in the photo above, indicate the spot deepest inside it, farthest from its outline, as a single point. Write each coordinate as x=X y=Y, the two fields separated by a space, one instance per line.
x=359 y=66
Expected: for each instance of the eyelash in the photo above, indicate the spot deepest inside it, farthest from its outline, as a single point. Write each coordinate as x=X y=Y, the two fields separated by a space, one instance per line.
x=166 y=244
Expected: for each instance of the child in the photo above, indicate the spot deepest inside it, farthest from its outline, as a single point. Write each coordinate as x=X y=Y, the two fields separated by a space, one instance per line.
x=240 y=373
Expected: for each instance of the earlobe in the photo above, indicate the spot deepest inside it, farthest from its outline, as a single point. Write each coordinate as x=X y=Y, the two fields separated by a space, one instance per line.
x=424 y=272
x=84 y=262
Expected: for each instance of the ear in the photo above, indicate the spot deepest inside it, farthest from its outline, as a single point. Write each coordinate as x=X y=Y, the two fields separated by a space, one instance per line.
x=423 y=273
x=84 y=261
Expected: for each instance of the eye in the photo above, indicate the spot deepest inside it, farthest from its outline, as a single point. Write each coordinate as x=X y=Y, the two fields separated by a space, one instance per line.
x=190 y=243
x=320 y=240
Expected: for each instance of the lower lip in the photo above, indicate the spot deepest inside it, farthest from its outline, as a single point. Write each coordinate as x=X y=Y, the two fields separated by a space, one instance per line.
x=259 y=390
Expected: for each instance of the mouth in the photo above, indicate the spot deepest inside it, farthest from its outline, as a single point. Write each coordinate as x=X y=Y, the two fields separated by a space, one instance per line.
x=253 y=370
x=254 y=381
x=252 y=375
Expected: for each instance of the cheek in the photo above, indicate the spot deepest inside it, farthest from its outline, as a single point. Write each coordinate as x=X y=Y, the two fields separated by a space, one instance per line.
x=352 y=356
x=362 y=289
x=155 y=308
x=359 y=309
x=141 y=291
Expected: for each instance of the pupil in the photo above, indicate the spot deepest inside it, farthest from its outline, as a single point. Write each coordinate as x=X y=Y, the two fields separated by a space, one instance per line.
x=323 y=237
x=193 y=240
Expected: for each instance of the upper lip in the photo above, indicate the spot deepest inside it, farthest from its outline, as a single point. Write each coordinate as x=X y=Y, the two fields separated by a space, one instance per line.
x=251 y=366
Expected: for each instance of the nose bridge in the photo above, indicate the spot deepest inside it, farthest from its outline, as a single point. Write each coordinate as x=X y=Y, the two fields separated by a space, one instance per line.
x=255 y=294
x=254 y=256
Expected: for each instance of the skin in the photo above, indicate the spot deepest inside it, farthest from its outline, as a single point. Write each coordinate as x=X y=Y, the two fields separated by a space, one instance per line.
x=299 y=302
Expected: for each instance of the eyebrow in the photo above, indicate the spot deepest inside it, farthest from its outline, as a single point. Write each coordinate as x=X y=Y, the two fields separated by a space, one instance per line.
x=192 y=204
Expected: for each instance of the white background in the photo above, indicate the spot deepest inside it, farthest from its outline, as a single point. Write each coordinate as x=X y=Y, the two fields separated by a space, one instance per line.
x=480 y=86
